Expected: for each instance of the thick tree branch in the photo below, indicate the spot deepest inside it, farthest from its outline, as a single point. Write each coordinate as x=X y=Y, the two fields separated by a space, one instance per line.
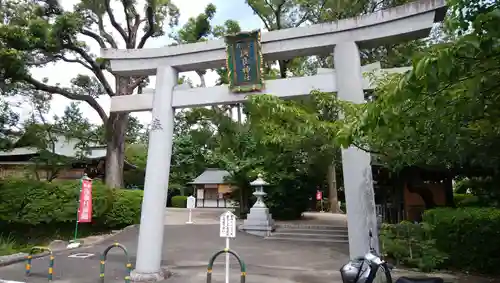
x=151 y=28
x=96 y=69
x=106 y=35
x=135 y=28
x=303 y=19
x=271 y=5
x=257 y=12
x=95 y=36
x=65 y=59
x=365 y=149
x=73 y=96
x=113 y=21
x=135 y=83
x=128 y=19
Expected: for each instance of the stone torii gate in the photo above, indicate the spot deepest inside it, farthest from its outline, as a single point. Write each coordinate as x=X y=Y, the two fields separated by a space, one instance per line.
x=410 y=21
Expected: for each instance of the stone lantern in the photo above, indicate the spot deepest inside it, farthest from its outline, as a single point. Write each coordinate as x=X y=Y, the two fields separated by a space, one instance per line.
x=259 y=184
x=259 y=221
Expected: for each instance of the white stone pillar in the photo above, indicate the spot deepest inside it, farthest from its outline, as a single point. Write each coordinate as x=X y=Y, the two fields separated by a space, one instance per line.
x=149 y=250
x=356 y=164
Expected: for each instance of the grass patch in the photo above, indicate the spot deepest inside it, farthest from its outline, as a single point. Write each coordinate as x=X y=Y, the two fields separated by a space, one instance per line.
x=9 y=245
x=21 y=238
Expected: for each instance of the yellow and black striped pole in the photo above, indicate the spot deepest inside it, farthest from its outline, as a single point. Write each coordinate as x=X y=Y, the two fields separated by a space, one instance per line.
x=29 y=258
x=104 y=255
x=243 y=268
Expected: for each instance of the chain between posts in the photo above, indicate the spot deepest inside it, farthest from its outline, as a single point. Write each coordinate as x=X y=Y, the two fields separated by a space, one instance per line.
x=29 y=258
x=243 y=268
x=104 y=255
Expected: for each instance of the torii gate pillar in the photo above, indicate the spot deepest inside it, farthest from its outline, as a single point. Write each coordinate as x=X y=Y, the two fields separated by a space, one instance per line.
x=356 y=164
x=149 y=248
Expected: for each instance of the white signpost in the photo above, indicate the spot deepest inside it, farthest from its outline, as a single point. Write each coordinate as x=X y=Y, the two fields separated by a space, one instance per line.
x=191 y=203
x=227 y=227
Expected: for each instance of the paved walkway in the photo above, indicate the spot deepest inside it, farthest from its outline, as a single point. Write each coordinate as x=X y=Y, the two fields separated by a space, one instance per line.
x=186 y=251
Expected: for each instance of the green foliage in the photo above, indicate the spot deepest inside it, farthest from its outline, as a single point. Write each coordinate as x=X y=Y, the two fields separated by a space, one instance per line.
x=411 y=244
x=8 y=120
x=7 y=245
x=134 y=179
x=137 y=154
x=301 y=136
x=443 y=114
x=469 y=236
x=484 y=190
x=125 y=209
x=462 y=200
x=38 y=33
x=179 y=201
x=31 y=202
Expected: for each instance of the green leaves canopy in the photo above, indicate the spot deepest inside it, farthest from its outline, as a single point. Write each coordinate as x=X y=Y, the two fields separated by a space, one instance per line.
x=445 y=112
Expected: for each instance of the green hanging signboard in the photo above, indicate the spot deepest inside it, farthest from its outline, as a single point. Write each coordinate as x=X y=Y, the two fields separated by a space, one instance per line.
x=244 y=61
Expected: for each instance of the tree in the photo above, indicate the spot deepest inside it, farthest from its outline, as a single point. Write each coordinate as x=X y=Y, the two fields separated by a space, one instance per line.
x=307 y=127
x=443 y=114
x=45 y=135
x=277 y=15
x=41 y=32
x=8 y=122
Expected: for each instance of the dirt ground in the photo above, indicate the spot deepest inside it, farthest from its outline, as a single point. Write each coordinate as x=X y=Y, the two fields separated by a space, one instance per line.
x=476 y=279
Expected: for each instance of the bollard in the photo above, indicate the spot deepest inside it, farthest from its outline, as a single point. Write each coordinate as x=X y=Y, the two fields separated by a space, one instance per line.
x=243 y=268
x=51 y=261
x=104 y=255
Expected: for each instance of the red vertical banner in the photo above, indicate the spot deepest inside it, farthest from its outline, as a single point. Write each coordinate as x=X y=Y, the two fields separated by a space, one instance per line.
x=85 y=208
x=319 y=195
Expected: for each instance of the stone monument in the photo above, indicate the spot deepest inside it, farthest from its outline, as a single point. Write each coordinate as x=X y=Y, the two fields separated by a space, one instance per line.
x=259 y=221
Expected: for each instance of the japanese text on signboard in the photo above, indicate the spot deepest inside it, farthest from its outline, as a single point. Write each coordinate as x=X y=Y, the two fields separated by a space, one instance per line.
x=244 y=62
x=227 y=224
x=85 y=207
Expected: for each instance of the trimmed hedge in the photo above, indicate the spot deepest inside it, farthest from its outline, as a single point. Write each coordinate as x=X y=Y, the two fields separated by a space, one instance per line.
x=469 y=236
x=31 y=202
x=179 y=201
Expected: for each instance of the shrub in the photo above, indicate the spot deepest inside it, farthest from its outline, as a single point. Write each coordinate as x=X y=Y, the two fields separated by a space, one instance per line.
x=31 y=202
x=27 y=201
x=468 y=235
x=411 y=244
x=179 y=201
x=125 y=209
x=463 y=200
x=7 y=245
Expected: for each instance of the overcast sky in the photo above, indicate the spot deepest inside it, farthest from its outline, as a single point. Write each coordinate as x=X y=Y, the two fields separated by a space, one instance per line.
x=62 y=73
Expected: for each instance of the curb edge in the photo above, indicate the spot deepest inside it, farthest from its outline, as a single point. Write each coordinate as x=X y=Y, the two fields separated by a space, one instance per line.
x=56 y=251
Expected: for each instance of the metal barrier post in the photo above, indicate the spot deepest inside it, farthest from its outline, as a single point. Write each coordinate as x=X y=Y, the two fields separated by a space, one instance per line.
x=29 y=258
x=104 y=255
x=243 y=268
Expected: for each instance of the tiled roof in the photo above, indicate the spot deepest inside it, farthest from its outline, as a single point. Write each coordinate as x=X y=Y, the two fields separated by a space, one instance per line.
x=211 y=176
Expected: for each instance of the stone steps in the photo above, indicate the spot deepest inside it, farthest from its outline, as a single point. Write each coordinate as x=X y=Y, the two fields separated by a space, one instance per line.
x=310 y=233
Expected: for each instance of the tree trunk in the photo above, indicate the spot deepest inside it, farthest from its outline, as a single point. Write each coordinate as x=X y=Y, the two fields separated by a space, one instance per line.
x=332 y=188
x=115 y=153
x=283 y=68
x=116 y=129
